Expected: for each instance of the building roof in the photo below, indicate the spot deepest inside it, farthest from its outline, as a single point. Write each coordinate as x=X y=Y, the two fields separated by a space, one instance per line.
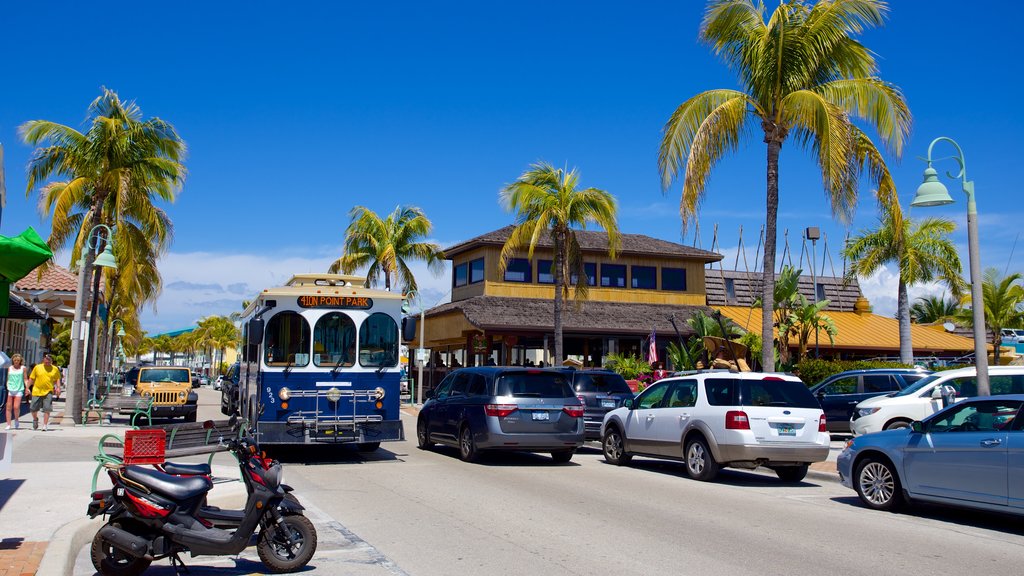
x=842 y=293
x=593 y=241
x=21 y=309
x=864 y=331
x=593 y=317
x=49 y=276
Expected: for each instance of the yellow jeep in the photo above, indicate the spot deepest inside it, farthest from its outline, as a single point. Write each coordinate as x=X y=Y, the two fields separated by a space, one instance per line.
x=171 y=390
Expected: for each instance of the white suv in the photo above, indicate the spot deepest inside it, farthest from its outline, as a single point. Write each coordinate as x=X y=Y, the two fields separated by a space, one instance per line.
x=714 y=419
x=924 y=398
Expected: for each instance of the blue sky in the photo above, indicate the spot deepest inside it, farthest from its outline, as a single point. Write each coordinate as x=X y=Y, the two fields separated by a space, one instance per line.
x=295 y=112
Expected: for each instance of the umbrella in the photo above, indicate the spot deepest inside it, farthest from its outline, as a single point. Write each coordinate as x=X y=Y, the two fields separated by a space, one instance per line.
x=19 y=255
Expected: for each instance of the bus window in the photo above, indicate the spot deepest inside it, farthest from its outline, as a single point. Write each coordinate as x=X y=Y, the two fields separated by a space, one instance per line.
x=378 y=341
x=334 y=341
x=286 y=342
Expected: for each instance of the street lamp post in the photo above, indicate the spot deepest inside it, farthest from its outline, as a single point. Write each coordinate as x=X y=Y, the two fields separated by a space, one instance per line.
x=932 y=192
x=110 y=340
x=813 y=233
x=75 y=384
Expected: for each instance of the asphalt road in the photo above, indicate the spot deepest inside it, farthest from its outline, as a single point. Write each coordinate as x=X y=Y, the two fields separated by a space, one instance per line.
x=402 y=510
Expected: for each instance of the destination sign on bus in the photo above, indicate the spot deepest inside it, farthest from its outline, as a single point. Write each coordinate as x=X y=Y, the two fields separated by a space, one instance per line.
x=346 y=302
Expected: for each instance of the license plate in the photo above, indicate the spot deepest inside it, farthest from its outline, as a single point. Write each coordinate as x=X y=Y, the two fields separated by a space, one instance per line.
x=787 y=431
x=541 y=415
x=607 y=403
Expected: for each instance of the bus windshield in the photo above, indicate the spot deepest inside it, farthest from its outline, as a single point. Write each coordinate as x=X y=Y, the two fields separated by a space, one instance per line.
x=378 y=341
x=334 y=341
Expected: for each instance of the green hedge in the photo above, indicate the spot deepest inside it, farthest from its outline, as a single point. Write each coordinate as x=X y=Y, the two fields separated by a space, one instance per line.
x=812 y=371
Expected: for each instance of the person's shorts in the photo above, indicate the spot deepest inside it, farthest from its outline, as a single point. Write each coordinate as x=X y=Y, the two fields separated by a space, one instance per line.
x=42 y=402
x=15 y=393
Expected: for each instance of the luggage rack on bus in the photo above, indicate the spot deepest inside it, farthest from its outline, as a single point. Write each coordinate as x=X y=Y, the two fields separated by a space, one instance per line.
x=334 y=396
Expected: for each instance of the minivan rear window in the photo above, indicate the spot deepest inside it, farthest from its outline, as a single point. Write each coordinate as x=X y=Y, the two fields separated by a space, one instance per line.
x=607 y=383
x=736 y=392
x=534 y=385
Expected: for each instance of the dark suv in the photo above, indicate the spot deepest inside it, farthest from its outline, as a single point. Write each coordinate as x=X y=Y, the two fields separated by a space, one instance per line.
x=601 y=392
x=503 y=408
x=839 y=394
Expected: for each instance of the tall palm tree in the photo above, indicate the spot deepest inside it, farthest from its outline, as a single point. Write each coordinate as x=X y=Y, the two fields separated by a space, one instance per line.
x=921 y=250
x=549 y=204
x=801 y=72
x=1004 y=305
x=385 y=245
x=932 y=309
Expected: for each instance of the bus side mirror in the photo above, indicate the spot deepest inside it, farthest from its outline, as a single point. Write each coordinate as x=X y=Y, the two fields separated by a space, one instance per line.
x=256 y=331
x=409 y=328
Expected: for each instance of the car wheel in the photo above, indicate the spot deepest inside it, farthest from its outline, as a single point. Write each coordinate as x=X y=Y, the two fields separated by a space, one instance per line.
x=614 y=448
x=423 y=435
x=877 y=484
x=562 y=456
x=700 y=463
x=791 y=473
x=897 y=425
x=467 y=446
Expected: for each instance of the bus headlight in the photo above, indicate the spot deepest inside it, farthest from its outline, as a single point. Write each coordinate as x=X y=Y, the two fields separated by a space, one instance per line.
x=379 y=393
x=334 y=394
x=284 y=393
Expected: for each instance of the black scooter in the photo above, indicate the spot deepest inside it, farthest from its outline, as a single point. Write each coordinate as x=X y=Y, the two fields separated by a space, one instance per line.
x=156 y=515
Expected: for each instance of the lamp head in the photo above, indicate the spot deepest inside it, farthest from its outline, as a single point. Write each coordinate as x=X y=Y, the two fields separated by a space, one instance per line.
x=106 y=259
x=931 y=192
x=120 y=332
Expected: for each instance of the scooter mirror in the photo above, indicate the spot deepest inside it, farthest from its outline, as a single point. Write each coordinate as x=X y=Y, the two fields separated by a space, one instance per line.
x=208 y=425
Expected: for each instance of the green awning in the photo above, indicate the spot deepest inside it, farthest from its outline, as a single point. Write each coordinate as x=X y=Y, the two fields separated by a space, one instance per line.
x=19 y=255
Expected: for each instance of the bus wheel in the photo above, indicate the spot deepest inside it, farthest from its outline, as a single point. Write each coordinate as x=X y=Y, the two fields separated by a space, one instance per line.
x=367 y=446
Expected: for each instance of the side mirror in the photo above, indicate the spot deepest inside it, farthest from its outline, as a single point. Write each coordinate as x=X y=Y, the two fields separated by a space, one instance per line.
x=208 y=425
x=256 y=331
x=820 y=394
x=628 y=403
x=409 y=328
x=431 y=393
x=916 y=426
x=937 y=393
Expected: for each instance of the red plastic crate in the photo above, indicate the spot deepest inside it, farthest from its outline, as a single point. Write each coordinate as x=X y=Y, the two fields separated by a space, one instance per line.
x=144 y=446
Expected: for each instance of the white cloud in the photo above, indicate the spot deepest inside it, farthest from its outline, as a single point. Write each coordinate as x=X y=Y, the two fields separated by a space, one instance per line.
x=882 y=289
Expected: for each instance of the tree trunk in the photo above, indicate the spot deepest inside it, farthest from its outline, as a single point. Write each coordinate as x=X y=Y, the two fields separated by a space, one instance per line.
x=773 y=136
x=903 y=308
x=997 y=341
x=560 y=279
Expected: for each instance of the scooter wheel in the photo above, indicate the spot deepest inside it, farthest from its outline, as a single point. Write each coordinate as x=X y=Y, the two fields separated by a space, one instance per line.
x=109 y=561
x=276 y=552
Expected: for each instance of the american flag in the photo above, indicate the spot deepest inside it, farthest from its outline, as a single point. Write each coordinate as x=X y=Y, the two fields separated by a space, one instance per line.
x=652 y=348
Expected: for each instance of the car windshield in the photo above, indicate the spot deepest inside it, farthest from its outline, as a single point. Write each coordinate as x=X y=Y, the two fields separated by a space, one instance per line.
x=534 y=385
x=607 y=383
x=917 y=386
x=165 y=375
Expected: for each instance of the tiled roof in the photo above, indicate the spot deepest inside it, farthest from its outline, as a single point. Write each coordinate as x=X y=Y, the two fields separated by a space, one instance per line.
x=841 y=293
x=593 y=241
x=49 y=276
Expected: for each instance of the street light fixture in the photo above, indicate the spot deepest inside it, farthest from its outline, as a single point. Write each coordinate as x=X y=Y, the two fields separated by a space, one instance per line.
x=110 y=339
x=932 y=192
x=75 y=387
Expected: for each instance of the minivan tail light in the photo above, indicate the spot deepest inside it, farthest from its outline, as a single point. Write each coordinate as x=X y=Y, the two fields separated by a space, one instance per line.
x=736 y=420
x=821 y=424
x=574 y=411
x=500 y=410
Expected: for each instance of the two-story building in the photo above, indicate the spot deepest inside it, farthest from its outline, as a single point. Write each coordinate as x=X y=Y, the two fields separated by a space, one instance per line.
x=508 y=318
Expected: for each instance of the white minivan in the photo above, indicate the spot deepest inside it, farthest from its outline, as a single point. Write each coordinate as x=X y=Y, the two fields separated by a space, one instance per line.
x=924 y=397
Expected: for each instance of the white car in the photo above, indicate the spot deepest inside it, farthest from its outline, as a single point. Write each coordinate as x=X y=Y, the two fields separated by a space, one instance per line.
x=925 y=397
x=713 y=419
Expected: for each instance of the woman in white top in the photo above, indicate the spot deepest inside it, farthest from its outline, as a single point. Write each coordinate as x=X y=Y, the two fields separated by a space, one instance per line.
x=15 y=389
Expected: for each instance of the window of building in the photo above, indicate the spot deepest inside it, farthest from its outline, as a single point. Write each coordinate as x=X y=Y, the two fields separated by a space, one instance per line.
x=820 y=291
x=590 y=269
x=545 y=273
x=378 y=341
x=334 y=341
x=476 y=271
x=730 y=289
x=613 y=275
x=644 y=277
x=460 y=275
x=286 y=340
x=518 y=270
x=674 y=279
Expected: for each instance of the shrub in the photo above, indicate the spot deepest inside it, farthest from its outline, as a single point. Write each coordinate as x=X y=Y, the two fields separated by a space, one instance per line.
x=813 y=371
x=629 y=367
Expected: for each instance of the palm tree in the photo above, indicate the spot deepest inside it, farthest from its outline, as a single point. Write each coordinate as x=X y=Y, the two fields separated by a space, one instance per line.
x=932 y=309
x=785 y=298
x=807 y=318
x=802 y=72
x=386 y=245
x=548 y=203
x=921 y=250
x=1004 y=306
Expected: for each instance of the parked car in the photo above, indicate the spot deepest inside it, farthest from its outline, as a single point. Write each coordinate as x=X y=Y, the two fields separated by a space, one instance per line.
x=204 y=381
x=925 y=397
x=965 y=455
x=228 y=386
x=839 y=394
x=712 y=420
x=170 y=387
x=501 y=408
x=601 y=391
x=1011 y=336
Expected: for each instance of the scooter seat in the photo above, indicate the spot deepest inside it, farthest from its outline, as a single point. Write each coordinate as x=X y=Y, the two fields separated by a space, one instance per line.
x=182 y=469
x=174 y=487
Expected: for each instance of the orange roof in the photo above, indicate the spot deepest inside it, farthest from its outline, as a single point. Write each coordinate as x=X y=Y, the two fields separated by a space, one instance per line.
x=53 y=277
x=863 y=332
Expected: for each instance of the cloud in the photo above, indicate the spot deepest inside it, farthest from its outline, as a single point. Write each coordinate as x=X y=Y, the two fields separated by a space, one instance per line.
x=238 y=288
x=882 y=289
x=179 y=285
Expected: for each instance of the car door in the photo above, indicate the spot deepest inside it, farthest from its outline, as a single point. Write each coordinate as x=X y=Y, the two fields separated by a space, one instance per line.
x=838 y=400
x=454 y=405
x=1015 y=462
x=672 y=419
x=437 y=408
x=640 y=422
x=961 y=454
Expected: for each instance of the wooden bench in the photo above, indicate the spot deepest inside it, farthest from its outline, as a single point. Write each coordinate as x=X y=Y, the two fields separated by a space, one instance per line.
x=140 y=406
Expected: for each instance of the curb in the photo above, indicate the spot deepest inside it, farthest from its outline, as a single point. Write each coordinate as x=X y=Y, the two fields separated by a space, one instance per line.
x=825 y=476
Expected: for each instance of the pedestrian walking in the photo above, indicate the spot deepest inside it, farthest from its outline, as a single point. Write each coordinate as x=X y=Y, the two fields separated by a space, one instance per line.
x=15 y=390
x=45 y=381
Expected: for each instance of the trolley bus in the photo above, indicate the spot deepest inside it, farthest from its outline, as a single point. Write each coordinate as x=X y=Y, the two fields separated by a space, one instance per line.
x=320 y=363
